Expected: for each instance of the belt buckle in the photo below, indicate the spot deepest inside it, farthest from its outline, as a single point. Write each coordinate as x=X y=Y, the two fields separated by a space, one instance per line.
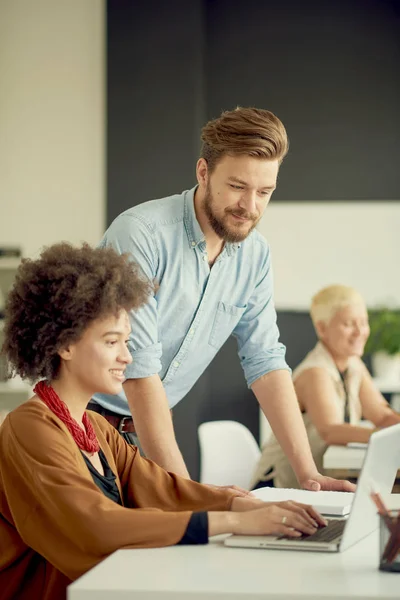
x=122 y=424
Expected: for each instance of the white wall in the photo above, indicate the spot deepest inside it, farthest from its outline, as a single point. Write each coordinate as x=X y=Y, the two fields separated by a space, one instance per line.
x=319 y=243
x=51 y=122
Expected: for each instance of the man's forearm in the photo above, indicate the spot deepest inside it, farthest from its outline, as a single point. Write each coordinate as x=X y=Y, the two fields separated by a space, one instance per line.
x=149 y=407
x=277 y=398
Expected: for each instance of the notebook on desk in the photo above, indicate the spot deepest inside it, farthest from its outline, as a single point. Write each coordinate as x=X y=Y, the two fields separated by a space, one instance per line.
x=359 y=445
x=336 y=504
x=378 y=472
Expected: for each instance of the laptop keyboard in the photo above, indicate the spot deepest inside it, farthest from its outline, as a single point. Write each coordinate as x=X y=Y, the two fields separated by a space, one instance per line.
x=329 y=533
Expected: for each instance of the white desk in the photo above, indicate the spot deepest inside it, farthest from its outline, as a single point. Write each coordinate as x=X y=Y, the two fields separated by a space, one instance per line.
x=389 y=387
x=342 y=457
x=216 y=572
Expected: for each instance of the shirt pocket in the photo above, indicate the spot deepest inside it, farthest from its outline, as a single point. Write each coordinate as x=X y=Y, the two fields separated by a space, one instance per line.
x=225 y=320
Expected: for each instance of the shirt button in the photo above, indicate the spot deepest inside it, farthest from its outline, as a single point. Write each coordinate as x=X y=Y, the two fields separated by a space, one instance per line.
x=191 y=332
x=205 y=257
x=193 y=244
x=176 y=364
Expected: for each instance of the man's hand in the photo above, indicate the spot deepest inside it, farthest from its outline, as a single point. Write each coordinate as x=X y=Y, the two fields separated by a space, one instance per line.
x=321 y=482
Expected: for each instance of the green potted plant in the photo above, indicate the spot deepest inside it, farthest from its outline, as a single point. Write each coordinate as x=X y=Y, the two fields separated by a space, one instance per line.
x=384 y=343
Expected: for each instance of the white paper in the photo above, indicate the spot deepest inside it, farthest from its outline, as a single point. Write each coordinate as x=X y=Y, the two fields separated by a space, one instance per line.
x=357 y=445
x=327 y=503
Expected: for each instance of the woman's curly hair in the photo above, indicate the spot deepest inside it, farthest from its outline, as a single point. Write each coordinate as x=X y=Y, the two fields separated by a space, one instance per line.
x=56 y=297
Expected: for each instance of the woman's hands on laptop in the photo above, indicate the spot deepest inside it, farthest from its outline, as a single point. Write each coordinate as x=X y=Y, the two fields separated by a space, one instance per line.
x=230 y=488
x=255 y=517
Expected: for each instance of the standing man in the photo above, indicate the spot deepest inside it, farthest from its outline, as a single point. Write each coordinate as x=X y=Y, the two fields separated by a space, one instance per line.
x=213 y=271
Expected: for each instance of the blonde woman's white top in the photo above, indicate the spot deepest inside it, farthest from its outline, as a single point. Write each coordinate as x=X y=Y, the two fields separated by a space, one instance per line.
x=273 y=463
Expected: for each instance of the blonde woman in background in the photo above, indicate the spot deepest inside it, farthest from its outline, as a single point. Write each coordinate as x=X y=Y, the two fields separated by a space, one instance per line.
x=333 y=386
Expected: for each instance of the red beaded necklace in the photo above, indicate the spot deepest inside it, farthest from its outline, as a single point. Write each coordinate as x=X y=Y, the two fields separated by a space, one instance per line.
x=86 y=440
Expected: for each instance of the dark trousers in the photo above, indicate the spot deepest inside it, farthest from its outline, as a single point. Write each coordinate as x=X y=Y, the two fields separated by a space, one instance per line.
x=115 y=420
x=262 y=484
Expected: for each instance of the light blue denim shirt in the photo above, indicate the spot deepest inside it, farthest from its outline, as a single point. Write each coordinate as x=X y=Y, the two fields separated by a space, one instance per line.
x=182 y=327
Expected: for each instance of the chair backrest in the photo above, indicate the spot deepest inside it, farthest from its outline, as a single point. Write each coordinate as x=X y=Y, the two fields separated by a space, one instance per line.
x=228 y=453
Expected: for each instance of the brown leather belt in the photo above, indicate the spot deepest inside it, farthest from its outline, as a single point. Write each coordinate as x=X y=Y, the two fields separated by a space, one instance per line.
x=122 y=423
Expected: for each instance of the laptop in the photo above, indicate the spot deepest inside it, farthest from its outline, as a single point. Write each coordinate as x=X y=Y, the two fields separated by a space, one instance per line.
x=378 y=473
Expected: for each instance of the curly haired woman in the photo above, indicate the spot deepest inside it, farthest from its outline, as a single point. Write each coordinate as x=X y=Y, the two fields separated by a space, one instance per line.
x=72 y=491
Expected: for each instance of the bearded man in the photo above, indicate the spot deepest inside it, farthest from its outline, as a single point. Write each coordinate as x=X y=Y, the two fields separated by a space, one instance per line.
x=213 y=274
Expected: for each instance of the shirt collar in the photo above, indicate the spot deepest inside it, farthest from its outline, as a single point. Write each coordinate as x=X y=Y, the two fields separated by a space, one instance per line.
x=192 y=226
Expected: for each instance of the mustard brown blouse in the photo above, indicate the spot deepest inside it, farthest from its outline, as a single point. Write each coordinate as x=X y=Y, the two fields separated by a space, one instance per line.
x=56 y=524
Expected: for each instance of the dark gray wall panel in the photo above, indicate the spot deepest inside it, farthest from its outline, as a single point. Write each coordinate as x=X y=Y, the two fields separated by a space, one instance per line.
x=155 y=96
x=330 y=71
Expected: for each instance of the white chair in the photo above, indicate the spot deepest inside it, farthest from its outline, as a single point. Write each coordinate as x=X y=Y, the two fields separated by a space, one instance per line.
x=228 y=453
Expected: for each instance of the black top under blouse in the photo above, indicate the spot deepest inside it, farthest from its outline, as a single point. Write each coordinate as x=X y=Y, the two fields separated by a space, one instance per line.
x=106 y=483
x=197 y=529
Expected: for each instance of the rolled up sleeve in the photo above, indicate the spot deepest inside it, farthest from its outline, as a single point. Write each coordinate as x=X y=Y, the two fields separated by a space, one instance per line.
x=146 y=361
x=257 y=333
x=133 y=236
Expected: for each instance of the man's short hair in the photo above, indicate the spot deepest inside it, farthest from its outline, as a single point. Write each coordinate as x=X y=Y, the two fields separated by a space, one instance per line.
x=244 y=131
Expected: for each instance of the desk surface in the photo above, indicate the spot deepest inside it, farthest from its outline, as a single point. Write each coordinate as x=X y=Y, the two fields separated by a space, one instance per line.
x=218 y=572
x=342 y=457
x=387 y=385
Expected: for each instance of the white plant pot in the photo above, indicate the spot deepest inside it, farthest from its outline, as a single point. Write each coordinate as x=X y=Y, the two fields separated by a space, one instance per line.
x=386 y=366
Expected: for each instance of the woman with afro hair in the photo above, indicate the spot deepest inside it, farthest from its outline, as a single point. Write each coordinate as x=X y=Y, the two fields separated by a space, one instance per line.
x=72 y=491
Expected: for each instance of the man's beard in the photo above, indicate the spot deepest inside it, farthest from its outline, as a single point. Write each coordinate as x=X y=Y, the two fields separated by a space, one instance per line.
x=230 y=234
